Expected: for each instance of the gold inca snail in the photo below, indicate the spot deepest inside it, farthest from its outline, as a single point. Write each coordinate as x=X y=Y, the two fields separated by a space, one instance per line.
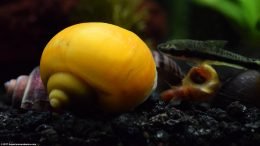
x=97 y=64
x=201 y=83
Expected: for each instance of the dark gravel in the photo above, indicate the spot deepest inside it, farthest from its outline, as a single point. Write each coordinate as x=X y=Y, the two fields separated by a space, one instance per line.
x=154 y=123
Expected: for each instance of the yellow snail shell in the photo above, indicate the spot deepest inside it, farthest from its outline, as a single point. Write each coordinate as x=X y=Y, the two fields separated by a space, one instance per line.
x=97 y=64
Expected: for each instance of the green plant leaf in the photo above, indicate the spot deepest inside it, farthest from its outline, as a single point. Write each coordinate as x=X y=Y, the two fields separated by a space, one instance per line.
x=249 y=13
x=244 y=14
x=228 y=8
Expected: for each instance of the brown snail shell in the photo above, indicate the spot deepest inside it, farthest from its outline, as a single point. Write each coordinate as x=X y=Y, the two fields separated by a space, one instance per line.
x=28 y=92
x=245 y=87
x=169 y=72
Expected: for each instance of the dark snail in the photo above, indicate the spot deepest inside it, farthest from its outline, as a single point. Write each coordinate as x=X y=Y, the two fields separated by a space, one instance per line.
x=244 y=87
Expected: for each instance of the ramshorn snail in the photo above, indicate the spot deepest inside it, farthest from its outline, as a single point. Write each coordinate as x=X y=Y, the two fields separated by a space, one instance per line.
x=201 y=83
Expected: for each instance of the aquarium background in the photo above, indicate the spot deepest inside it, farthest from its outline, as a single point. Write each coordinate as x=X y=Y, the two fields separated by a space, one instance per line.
x=27 y=25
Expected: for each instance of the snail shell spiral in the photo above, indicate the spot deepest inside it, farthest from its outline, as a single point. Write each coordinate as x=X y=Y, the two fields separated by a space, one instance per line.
x=169 y=72
x=200 y=84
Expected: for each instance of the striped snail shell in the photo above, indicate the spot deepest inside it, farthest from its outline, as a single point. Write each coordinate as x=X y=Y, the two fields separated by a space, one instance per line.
x=169 y=72
x=28 y=92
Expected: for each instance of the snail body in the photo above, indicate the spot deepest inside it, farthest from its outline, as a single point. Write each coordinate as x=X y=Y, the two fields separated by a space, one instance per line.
x=97 y=64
